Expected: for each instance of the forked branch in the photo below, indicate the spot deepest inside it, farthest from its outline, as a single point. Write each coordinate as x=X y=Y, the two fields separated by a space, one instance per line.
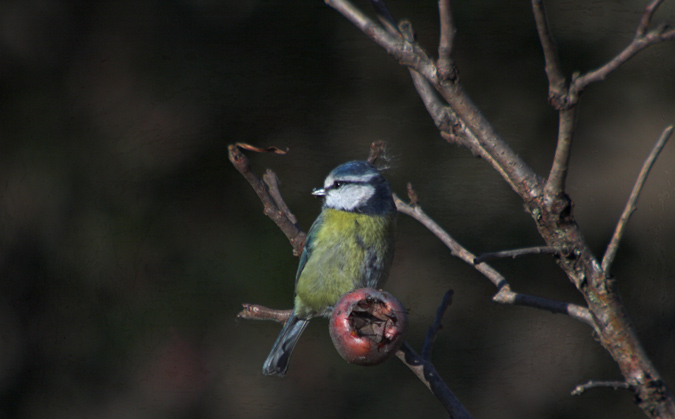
x=268 y=192
x=504 y=294
x=460 y=121
x=564 y=98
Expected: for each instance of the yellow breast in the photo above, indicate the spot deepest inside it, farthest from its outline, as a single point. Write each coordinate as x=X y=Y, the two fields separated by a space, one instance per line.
x=349 y=251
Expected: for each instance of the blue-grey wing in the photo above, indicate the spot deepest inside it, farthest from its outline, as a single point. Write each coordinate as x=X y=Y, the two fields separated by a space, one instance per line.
x=309 y=246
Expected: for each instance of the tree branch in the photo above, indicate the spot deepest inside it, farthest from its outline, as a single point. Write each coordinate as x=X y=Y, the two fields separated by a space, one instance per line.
x=646 y=18
x=504 y=295
x=613 y=246
x=519 y=176
x=284 y=220
x=385 y=16
x=555 y=183
x=456 y=249
x=421 y=366
x=426 y=372
x=641 y=40
x=556 y=81
x=436 y=326
x=514 y=253
x=581 y=388
x=558 y=96
x=549 y=206
x=272 y=181
x=446 y=67
x=258 y=312
x=565 y=99
x=394 y=45
x=582 y=314
x=424 y=369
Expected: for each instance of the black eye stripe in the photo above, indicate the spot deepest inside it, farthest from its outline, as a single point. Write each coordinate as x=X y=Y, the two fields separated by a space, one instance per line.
x=340 y=183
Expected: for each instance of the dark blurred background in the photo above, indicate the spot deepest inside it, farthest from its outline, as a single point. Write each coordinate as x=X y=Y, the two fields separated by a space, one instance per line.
x=129 y=241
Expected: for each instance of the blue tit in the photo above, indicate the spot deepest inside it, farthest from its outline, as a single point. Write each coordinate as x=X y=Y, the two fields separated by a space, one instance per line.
x=349 y=246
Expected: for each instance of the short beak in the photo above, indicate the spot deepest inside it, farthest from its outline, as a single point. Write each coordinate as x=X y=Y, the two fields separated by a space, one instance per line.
x=319 y=192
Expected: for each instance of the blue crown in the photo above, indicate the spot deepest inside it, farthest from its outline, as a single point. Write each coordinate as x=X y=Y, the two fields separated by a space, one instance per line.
x=354 y=168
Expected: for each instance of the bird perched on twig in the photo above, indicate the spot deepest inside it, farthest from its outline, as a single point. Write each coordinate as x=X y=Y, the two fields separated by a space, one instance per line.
x=349 y=246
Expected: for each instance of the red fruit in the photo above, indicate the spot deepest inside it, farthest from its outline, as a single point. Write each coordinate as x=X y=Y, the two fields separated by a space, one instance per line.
x=367 y=326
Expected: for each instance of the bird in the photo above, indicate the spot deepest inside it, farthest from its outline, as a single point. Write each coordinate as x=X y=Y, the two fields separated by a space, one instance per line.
x=349 y=246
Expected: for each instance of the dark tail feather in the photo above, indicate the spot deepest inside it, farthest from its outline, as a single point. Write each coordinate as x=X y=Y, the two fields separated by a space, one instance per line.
x=280 y=355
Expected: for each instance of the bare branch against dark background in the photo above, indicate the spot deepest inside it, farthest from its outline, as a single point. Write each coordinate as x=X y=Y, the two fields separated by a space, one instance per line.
x=128 y=246
x=268 y=192
x=546 y=201
x=631 y=205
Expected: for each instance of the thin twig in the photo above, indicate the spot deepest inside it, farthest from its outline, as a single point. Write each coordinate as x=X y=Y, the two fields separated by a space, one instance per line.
x=514 y=253
x=613 y=246
x=562 y=97
x=426 y=372
x=436 y=326
x=646 y=18
x=555 y=183
x=272 y=181
x=446 y=68
x=513 y=168
x=578 y=390
x=451 y=127
x=443 y=116
x=556 y=80
x=641 y=41
x=504 y=295
x=282 y=219
x=412 y=195
x=258 y=312
x=395 y=45
x=422 y=368
x=456 y=249
x=385 y=16
x=376 y=151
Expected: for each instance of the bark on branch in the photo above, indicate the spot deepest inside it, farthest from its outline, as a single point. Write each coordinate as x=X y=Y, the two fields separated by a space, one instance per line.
x=459 y=120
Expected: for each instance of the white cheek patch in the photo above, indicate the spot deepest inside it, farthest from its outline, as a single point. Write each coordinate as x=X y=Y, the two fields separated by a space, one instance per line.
x=349 y=197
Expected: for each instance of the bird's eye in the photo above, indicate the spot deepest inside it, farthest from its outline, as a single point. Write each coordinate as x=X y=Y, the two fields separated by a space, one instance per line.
x=338 y=184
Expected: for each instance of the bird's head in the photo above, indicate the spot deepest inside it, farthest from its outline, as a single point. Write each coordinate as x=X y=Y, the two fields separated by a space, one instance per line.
x=357 y=186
